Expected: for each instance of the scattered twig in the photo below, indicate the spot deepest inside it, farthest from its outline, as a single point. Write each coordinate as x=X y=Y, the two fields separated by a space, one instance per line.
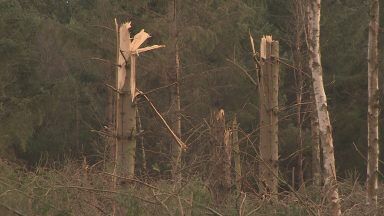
x=105 y=61
x=162 y=203
x=131 y=179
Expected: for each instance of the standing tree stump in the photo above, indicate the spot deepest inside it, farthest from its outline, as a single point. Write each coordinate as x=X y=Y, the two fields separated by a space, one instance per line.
x=268 y=94
x=220 y=163
x=125 y=108
x=236 y=151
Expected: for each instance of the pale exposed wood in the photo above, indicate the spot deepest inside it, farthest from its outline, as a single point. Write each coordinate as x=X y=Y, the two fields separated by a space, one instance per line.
x=373 y=104
x=126 y=110
x=129 y=52
x=138 y=40
x=268 y=94
x=145 y=49
x=322 y=112
x=123 y=54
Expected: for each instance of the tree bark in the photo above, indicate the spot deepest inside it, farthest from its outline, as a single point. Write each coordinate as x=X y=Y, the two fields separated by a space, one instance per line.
x=298 y=29
x=110 y=117
x=220 y=163
x=322 y=111
x=373 y=104
x=315 y=139
x=268 y=94
x=141 y=138
x=173 y=77
x=315 y=133
x=126 y=110
x=236 y=151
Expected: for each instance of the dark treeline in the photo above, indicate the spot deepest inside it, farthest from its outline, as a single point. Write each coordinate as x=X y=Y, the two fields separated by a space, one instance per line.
x=56 y=57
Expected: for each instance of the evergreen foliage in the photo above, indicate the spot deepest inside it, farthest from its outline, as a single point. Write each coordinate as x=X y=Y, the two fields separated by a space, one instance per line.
x=52 y=92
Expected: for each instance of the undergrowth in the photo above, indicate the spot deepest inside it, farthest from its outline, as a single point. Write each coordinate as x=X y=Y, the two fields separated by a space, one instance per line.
x=76 y=190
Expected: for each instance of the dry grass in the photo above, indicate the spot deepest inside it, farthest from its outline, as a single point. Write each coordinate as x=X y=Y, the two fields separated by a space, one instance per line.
x=76 y=190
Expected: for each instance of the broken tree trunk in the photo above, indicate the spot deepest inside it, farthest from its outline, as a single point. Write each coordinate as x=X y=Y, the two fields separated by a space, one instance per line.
x=373 y=104
x=220 y=179
x=268 y=94
x=174 y=77
x=125 y=109
x=236 y=151
x=322 y=109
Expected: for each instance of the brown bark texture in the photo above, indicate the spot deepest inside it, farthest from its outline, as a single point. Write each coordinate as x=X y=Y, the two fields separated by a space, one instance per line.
x=315 y=141
x=220 y=163
x=125 y=109
x=236 y=151
x=173 y=76
x=268 y=94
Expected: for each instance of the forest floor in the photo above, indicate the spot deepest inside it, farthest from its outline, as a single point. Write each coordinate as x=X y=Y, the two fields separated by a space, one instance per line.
x=76 y=189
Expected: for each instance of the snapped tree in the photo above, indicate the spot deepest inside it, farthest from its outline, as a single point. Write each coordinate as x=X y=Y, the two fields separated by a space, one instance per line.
x=268 y=97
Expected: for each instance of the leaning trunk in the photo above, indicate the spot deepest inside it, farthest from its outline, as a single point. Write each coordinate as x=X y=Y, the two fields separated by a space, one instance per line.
x=322 y=111
x=373 y=104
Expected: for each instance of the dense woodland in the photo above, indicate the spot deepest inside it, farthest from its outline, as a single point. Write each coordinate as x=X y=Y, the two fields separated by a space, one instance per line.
x=58 y=96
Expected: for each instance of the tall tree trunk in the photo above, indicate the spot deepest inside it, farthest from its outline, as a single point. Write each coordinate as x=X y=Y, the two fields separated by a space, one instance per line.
x=126 y=110
x=174 y=77
x=322 y=110
x=315 y=139
x=236 y=151
x=315 y=133
x=373 y=104
x=268 y=90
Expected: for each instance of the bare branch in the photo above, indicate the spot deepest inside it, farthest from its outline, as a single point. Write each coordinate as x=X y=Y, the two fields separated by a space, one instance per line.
x=182 y=145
